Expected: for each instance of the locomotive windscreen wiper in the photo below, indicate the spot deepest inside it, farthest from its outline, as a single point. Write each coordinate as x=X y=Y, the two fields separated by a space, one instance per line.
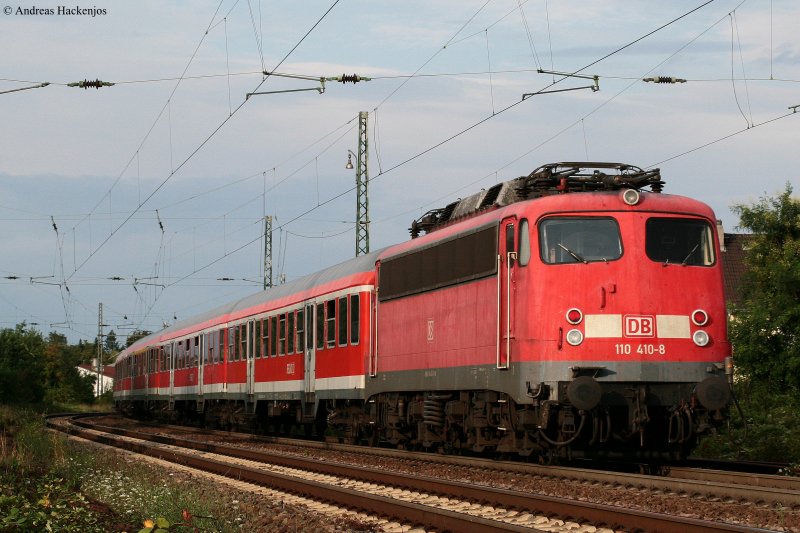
x=685 y=259
x=573 y=254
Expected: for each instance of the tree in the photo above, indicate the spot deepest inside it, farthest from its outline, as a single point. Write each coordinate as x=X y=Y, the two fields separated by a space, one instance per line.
x=765 y=331
x=62 y=381
x=111 y=344
x=21 y=365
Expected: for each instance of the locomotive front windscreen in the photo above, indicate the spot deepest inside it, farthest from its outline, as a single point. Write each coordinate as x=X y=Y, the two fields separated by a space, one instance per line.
x=579 y=239
x=682 y=241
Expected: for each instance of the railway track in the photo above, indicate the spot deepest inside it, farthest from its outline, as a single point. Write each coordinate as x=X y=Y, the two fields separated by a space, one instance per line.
x=434 y=503
x=698 y=483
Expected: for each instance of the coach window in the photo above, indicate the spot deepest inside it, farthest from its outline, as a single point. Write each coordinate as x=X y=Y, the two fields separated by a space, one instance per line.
x=524 y=243
x=273 y=336
x=290 y=332
x=343 y=323
x=231 y=342
x=330 y=311
x=265 y=337
x=355 y=318
x=282 y=335
x=221 y=345
x=579 y=240
x=242 y=341
x=320 y=326
x=258 y=339
x=681 y=241
x=301 y=331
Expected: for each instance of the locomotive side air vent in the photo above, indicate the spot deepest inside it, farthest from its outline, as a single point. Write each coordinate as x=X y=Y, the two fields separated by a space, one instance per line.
x=554 y=178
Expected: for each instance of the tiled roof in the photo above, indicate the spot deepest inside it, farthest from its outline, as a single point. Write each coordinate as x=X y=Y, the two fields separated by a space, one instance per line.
x=108 y=370
x=733 y=265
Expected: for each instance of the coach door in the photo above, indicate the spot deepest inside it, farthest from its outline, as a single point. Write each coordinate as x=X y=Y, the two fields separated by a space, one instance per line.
x=506 y=265
x=310 y=372
x=171 y=367
x=202 y=359
x=251 y=345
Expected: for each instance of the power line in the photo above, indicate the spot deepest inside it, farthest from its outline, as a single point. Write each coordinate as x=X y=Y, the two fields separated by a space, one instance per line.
x=441 y=143
x=720 y=139
x=200 y=146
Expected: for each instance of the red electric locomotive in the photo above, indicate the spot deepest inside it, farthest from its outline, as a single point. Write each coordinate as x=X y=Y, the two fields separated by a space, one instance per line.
x=575 y=311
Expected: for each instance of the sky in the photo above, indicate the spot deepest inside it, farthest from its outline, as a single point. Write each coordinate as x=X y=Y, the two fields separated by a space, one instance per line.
x=149 y=195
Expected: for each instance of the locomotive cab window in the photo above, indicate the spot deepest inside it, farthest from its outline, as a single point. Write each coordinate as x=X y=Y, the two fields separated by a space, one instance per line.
x=524 y=243
x=680 y=241
x=579 y=240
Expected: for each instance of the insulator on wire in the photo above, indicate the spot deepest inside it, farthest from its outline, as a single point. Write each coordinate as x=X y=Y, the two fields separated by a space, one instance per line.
x=352 y=78
x=85 y=84
x=664 y=79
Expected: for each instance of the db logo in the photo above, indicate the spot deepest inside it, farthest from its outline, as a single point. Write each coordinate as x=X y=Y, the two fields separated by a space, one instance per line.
x=640 y=326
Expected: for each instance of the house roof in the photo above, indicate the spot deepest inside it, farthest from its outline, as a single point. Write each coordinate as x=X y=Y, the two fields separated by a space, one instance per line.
x=734 y=266
x=108 y=370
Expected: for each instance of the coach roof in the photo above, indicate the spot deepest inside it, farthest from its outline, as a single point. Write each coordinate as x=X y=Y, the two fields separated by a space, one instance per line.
x=300 y=288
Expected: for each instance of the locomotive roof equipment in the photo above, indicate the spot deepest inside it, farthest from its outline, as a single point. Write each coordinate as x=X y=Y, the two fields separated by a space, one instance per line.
x=553 y=178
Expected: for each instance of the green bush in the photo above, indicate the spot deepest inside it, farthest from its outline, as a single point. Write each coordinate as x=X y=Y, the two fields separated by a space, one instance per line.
x=771 y=432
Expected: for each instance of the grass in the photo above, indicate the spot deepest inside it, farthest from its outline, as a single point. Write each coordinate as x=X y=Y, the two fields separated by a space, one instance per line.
x=50 y=483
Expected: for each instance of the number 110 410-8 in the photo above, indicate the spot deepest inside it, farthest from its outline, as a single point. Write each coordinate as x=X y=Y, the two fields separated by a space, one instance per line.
x=641 y=349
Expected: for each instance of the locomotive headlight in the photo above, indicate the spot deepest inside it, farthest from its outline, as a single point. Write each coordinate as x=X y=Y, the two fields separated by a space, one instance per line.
x=700 y=317
x=700 y=337
x=630 y=196
x=574 y=316
x=574 y=337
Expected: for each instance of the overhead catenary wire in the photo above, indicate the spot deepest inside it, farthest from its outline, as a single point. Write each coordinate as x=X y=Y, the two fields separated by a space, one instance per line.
x=728 y=80
x=203 y=143
x=222 y=124
x=735 y=37
x=173 y=168
x=634 y=81
x=444 y=141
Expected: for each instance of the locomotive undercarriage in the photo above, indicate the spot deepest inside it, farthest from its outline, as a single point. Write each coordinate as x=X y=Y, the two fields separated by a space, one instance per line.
x=630 y=422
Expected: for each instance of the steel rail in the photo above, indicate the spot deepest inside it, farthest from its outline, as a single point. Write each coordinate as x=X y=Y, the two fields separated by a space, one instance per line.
x=578 y=511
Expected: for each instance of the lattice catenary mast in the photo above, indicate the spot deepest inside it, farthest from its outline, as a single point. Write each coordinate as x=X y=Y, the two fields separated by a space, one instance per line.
x=362 y=195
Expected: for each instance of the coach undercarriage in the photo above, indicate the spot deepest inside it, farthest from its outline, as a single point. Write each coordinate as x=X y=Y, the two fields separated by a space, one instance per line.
x=491 y=422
